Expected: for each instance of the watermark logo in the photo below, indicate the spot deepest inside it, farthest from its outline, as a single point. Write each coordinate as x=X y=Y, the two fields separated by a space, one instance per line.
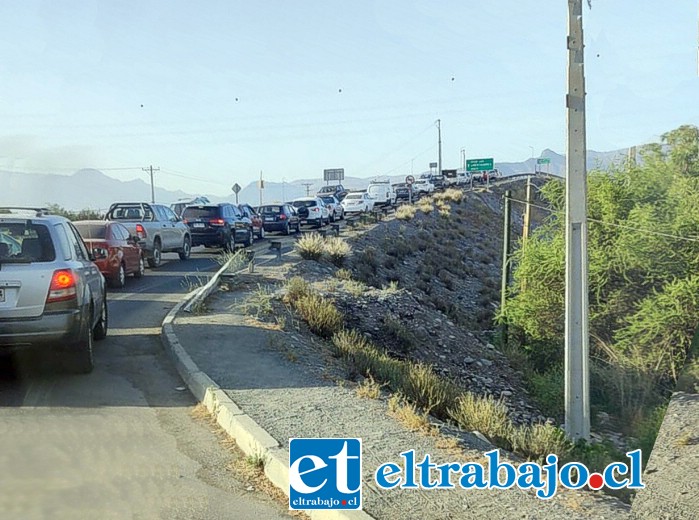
x=544 y=479
x=325 y=473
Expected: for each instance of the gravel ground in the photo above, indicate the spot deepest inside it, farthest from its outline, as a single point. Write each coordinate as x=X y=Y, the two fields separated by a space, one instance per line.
x=286 y=382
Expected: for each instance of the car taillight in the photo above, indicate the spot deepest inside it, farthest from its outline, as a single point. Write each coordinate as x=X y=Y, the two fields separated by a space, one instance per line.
x=140 y=231
x=282 y=217
x=63 y=286
x=217 y=222
x=316 y=209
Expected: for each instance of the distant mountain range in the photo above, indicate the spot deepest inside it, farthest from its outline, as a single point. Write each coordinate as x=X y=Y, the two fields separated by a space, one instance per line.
x=92 y=189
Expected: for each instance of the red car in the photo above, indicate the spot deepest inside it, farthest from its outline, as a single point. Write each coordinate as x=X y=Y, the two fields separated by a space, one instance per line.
x=117 y=254
x=250 y=212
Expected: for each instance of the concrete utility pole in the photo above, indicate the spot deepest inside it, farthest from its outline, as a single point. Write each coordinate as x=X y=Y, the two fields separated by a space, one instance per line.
x=261 y=186
x=308 y=188
x=439 y=138
x=577 y=401
x=463 y=158
x=152 y=184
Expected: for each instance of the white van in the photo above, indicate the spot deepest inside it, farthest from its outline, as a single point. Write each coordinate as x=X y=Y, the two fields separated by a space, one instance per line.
x=382 y=192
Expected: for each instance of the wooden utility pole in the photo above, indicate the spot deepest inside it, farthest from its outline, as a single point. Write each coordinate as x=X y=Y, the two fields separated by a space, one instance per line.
x=577 y=402
x=505 y=262
x=527 y=210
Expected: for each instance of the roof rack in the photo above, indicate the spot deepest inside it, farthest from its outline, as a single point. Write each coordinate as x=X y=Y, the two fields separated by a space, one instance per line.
x=12 y=210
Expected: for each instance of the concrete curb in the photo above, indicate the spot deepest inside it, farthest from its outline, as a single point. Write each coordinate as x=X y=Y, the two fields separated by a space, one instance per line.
x=251 y=437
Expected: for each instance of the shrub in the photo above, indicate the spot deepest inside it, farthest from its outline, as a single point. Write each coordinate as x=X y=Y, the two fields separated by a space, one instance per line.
x=260 y=301
x=295 y=289
x=406 y=212
x=320 y=314
x=538 y=440
x=337 y=250
x=311 y=246
x=343 y=274
x=483 y=414
x=427 y=389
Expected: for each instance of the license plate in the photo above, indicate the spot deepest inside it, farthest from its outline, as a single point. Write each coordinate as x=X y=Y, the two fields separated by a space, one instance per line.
x=2 y=295
x=269 y=219
x=199 y=225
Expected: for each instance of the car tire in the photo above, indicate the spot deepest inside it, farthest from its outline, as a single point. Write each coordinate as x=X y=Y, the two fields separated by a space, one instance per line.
x=141 y=268
x=250 y=238
x=119 y=281
x=186 y=250
x=229 y=246
x=79 y=359
x=261 y=234
x=100 y=330
x=157 y=258
x=286 y=229
x=298 y=227
x=331 y=218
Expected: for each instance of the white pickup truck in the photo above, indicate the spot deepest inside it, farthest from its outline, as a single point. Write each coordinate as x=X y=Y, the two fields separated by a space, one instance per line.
x=157 y=227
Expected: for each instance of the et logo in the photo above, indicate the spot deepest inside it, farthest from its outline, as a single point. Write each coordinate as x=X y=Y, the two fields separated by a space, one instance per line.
x=325 y=473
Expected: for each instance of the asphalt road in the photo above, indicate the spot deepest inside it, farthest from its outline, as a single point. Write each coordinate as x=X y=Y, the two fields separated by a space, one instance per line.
x=120 y=442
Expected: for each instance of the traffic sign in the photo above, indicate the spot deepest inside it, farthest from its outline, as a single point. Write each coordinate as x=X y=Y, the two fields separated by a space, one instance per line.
x=477 y=165
x=336 y=174
x=433 y=165
x=236 y=188
x=544 y=160
x=409 y=179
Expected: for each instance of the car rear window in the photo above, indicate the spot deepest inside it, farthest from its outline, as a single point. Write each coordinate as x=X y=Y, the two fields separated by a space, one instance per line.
x=88 y=231
x=353 y=196
x=328 y=200
x=26 y=242
x=271 y=210
x=192 y=212
x=304 y=203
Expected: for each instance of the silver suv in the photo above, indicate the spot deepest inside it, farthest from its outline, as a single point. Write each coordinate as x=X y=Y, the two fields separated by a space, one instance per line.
x=51 y=293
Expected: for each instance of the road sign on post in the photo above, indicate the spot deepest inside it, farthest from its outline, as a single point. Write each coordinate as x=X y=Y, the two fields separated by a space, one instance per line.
x=409 y=179
x=477 y=165
x=544 y=160
x=433 y=165
x=336 y=174
x=236 y=189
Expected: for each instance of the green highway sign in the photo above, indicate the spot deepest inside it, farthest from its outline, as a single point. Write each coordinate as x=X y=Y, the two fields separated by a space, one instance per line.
x=543 y=161
x=477 y=165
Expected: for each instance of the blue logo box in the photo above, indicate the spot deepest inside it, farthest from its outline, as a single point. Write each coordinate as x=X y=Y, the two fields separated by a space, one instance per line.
x=325 y=473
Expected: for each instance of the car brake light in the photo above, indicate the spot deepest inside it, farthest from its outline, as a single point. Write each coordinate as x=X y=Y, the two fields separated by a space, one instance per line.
x=140 y=231
x=282 y=217
x=316 y=209
x=63 y=286
x=216 y=222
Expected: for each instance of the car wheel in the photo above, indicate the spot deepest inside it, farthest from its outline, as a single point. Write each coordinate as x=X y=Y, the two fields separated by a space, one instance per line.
x=250 y=238
x=319 y=224
x=261 y=234
x=141 y=268
x=157 y=258
x=229 y=246
x=286 y=229
x=331 y=218
x=119 y=281
x=79 y=359
x=100 y=331
x=298 y=227
x=186 y=249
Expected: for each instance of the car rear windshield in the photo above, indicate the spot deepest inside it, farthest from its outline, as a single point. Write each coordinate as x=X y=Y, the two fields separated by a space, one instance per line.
x=328 y=200
x=130 y=212
x=328 y=189
x=192 y=212
x=304 y=203
x=271 y=210
x=25 y=242
x=351 y=196
x=88 y=231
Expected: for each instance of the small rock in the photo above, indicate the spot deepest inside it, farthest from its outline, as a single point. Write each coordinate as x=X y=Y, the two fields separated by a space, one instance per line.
x=490 y=346
x=180 y=389
x=250 y=488
x=506 y=393
x=468 y=360
x=486 y=362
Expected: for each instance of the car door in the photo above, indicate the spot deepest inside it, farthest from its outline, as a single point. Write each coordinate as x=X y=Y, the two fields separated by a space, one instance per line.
x=120 y=236
x=87 y=270
x=177 y=228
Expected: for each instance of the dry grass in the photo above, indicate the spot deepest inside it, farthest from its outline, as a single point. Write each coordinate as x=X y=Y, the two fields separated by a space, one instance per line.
x=482 y=414
x=355 y=288
x=369 y=389
x=337 y=250
x=343 y=274
x=311 y=246
x=406 y=212
x=320 y=314
x=409 y=416
x=450 y=195
x=259 y=302
x=295 y=289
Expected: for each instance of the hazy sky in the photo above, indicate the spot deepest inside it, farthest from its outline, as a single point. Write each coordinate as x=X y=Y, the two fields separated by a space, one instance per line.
x=219 y=90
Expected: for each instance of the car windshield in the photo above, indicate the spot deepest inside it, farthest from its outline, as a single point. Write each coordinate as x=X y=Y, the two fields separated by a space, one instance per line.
x=88 y=231
x=25 y=242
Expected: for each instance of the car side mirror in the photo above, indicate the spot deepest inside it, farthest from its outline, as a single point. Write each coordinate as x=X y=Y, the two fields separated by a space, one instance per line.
x=97 y=254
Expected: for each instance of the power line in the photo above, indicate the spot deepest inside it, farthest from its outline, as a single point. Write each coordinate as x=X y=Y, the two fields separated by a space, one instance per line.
x=612 y=224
